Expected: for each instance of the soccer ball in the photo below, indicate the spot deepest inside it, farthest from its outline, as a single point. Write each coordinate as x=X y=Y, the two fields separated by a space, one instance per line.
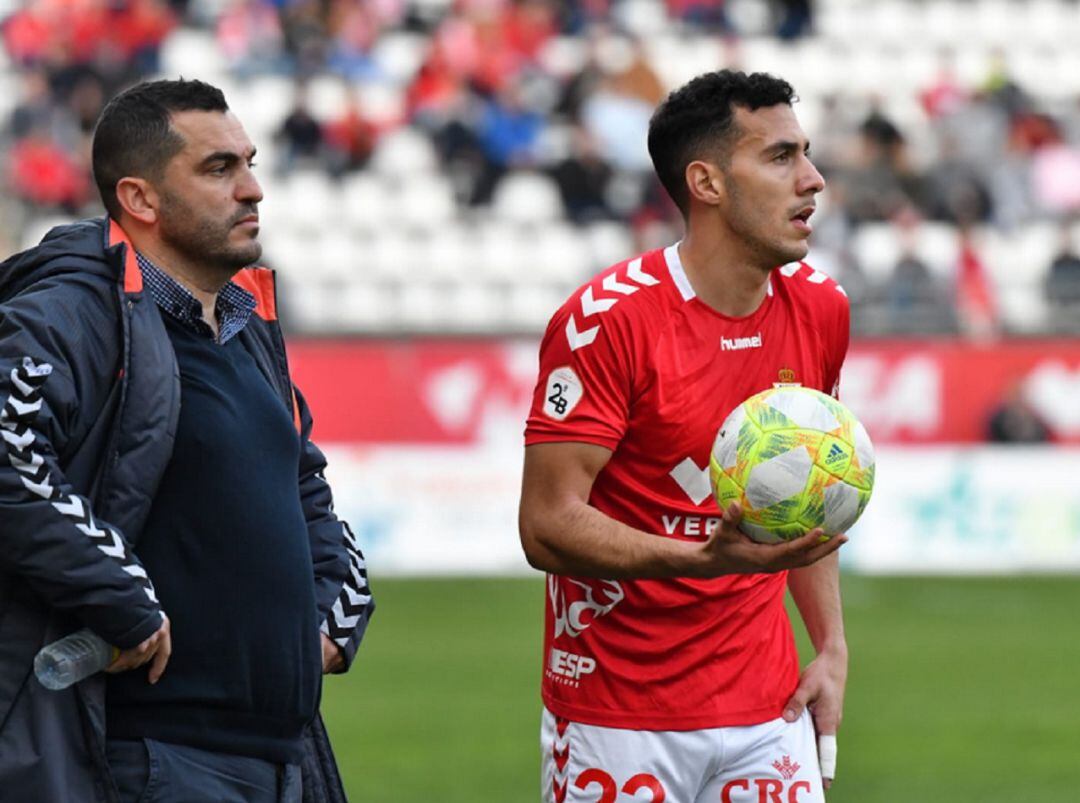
x=794 y=459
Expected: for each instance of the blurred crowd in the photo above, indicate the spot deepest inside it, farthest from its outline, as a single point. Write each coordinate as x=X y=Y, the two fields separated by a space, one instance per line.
x=488 y=97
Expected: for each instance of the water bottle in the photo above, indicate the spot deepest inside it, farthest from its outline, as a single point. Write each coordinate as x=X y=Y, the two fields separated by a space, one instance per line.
x=72 y=658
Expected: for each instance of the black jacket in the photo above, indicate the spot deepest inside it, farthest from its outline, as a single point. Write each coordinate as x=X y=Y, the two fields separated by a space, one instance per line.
x=90 y=395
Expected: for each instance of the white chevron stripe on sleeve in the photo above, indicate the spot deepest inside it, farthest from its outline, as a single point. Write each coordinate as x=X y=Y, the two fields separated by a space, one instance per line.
x=578 y=339
x=26 y=402
x=42 y=489
x=36 y=461
x=72 y=506
x=24 y=408
x=635 y=272
x=22 y=442
x=613 y=285
x=590 y=306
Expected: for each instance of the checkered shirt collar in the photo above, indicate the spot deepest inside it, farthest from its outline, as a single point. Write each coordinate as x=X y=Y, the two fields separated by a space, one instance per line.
x=234 y=304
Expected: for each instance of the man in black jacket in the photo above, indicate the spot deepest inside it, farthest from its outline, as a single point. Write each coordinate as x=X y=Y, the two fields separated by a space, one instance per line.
x=155 y=457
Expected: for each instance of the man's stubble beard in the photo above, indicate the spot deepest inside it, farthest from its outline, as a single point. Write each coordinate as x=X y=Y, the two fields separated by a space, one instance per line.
x=203 y=240
x=768 y=254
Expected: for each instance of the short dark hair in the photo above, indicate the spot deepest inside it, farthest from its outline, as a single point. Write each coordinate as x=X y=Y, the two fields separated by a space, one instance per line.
x=698 y=119
x=134 y=136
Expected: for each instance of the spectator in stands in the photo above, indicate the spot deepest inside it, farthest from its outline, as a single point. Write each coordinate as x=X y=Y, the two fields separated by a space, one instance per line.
x=707 y=15
x=584 y=179
x=250 y=36
x=508 y=132
x=35 y=108
x=915 y=303
x=953 y=190
x=944 y=96
x=350 y=137
x=300 y=136
x=1062 y=286
x=617 y=113
x=881 y=182
x=43 y=173
x=305 y=36
x=796 y=19
x=1014 y=421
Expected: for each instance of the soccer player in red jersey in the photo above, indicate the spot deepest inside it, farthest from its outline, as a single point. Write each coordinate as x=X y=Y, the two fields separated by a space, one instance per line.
x=669 y=661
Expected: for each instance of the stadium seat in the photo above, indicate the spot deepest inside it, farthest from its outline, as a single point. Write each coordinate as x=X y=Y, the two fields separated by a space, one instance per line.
x=424 y=201
x=526 y=198
x=399 y=55
x=186 y=49
x=531 y=305
x=876 y=248
x=561 y=253
x=938 y=245
x=363 y=201
x=404 y=152
x=500 y=252
x=313 y=200
x=607 y=242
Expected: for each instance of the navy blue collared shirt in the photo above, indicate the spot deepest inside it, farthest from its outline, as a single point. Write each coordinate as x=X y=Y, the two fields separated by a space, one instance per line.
x=233 y=309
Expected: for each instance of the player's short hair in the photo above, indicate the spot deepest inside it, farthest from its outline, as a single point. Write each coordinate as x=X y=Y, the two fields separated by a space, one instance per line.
x=134 y=135
x=697 y=121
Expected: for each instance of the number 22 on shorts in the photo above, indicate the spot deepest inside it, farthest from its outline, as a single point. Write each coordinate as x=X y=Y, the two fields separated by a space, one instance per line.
x=608 y=785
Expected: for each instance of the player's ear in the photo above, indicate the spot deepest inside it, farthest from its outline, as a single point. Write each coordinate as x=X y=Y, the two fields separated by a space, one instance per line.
x=704 y=182
x=138 y=198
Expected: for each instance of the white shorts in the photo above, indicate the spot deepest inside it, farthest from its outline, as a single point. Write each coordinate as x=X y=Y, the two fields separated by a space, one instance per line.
x=775 y=762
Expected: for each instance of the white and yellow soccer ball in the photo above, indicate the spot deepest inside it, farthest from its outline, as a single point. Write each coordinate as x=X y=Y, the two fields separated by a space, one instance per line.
x=794 y=459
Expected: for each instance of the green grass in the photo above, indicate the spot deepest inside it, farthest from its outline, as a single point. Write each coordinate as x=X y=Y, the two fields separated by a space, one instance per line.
x=960 y=690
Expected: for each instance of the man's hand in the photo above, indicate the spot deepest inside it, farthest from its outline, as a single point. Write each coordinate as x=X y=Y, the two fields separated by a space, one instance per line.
x=332 y=659
x=821 y=688
x=157 y=649
x=730 y=551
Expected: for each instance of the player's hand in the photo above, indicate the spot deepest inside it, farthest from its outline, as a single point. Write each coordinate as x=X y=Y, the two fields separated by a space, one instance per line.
x=155 y=650
x=821 y=689
x=730 y=551
x=332 y=659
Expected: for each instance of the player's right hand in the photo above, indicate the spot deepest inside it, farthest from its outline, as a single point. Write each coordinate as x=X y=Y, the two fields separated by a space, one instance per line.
x=730 y=551
x=155 y=649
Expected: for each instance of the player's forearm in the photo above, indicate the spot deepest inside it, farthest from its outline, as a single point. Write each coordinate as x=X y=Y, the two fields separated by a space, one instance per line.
x=816 y=591
x=576 y=538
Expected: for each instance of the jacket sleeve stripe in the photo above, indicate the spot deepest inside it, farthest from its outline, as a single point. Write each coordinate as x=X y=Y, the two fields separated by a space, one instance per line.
x=354 y=598
x=16 y=418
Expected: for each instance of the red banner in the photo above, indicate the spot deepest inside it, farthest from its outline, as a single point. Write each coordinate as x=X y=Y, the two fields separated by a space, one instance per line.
x=472 y=391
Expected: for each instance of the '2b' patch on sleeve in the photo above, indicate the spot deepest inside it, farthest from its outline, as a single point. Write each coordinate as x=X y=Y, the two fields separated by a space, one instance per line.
x=564 y=391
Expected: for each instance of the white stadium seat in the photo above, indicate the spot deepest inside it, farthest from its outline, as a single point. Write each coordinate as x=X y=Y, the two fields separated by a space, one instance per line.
x=527 y=197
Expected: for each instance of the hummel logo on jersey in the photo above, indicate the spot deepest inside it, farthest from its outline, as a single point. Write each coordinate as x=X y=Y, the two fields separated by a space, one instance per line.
x=740 y=343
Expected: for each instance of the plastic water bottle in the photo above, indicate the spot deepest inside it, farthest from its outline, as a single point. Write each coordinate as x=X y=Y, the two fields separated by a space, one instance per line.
x=72 y=658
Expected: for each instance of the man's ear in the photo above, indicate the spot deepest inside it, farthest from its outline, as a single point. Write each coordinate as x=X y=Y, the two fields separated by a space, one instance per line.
x=138 y=199
x=705 y=183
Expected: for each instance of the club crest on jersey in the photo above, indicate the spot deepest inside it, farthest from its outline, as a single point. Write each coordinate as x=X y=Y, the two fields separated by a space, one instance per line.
x=786 y=379
x=564 y=390
x=576 y=605
x=787 y=768
x=740 y=343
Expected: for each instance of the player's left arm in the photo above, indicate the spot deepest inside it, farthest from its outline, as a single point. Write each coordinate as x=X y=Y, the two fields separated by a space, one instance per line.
x=816 y=591
x=342 y=594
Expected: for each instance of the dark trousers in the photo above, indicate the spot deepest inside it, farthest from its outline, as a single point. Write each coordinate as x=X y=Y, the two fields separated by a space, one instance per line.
x=156 y=772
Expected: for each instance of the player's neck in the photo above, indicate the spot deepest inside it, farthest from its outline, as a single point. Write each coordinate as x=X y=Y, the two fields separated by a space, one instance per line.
x=722 y=280
x=204 y=284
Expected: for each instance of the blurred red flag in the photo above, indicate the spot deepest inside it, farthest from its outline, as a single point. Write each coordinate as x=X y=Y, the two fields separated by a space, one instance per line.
x=974 y=294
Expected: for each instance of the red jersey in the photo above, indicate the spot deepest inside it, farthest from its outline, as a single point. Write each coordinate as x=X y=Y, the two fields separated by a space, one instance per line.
x=634 y=362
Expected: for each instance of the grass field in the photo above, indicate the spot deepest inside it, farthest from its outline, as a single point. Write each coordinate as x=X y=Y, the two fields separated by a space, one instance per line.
x=960 y=690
